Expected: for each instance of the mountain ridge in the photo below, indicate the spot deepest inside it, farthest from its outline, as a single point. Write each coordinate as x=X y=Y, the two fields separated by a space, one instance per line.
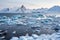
x=23 y=9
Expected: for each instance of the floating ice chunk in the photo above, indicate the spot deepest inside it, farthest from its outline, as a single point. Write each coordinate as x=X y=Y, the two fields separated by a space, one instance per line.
x=14 y=38
x=30 y=38
x=34 y=36
x=22 y=38
x=14 y=32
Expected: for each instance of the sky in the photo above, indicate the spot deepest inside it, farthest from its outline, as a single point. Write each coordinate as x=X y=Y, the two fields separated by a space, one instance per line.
x=29 y=3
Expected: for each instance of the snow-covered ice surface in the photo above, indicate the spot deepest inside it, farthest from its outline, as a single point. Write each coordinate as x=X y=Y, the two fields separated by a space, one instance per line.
x=54 y=36
x=14 y=38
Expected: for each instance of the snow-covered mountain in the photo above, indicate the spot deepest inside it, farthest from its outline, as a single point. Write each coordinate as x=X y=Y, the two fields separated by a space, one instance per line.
x=4 y=10
x=39 y=10
x=55 y=9
x=21 y=9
